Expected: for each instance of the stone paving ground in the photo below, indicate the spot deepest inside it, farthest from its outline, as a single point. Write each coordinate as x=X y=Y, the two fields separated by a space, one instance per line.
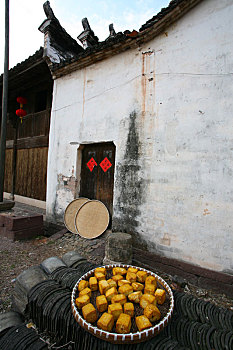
x=24 y=209
x=20 y=255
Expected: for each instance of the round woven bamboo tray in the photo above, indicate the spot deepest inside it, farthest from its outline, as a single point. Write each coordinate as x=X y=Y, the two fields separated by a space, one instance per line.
x=129 y=338
x=71 y=211
x=92 y=219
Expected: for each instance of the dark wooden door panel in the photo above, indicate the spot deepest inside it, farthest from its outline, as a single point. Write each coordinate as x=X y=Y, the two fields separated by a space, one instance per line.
x=88 y=181
x=98 y=184
x=106 y=179
x=31 y=172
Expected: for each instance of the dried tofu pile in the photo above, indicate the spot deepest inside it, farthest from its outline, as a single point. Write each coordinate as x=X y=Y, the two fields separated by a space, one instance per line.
x=118 y=297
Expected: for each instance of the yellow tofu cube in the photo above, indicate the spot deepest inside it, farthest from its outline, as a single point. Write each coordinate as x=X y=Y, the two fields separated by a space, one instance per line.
x=129 y=309
x=132 y=269
x=117 y=278
x=126 y=289
x=147 y=299
x=118 y=271
x=142 y=323
x=149 y=288
x=101 y=303
x=115 y=310
x=131 y=277
x=152 y=312
x=121 y=282
x=82 y=285
x=101 y=269
x=89 y=313
x=93 y=283
x=119 y=298
x=141 y=276
x=160 y=296
x=85 y=291
x=123 y=324
x=110 y=293
x=106 y=322
x=103 y=286
x=112 y=283
x=82 y=301
x=100 y=276
x=137 y=286
x=151 y=280
x=135 y=296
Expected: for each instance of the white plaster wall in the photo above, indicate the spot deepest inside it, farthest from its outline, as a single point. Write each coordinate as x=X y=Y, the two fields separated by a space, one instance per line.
x=180 y=86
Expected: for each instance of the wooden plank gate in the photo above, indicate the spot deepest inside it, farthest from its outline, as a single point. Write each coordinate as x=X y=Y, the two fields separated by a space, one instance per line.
x=31 y=161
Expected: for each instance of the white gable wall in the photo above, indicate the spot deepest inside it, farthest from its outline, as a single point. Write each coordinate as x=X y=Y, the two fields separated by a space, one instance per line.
x=167 y=106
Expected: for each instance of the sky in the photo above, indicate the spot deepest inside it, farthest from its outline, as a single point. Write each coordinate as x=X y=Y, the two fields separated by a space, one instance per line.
x=27 y=15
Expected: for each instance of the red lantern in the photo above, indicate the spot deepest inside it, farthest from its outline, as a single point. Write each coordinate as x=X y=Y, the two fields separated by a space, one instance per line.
x=21 y=112
x=21 y=100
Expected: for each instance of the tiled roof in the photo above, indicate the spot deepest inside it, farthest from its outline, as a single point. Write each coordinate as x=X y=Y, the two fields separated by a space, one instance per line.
x=112 y=45
x=25 y=64
x=126 y=40
x=120 y=37
x=101 y=46
x=163 y=12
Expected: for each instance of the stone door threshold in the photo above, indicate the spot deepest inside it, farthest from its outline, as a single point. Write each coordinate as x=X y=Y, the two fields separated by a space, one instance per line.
x=26 y=200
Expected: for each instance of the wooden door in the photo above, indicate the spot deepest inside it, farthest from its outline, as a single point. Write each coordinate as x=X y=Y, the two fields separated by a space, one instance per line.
x=31 y=174
x=97 y=182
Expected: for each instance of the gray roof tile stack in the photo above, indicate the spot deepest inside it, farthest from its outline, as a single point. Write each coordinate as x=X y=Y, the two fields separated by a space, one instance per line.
x=51 y=264
x=24 y=283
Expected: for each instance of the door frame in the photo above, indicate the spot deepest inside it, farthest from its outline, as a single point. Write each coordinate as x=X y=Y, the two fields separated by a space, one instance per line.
x=79 y=164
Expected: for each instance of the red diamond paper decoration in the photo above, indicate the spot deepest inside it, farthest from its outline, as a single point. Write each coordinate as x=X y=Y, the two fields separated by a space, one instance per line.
x=91 y=164
x=105 y=164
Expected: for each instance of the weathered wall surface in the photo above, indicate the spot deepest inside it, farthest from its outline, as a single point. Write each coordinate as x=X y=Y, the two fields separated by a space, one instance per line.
x=167 y=106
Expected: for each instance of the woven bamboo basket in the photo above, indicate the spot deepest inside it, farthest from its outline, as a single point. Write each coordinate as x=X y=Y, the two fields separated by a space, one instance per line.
x=129 y=338
x=71 y=212
x=92 y=219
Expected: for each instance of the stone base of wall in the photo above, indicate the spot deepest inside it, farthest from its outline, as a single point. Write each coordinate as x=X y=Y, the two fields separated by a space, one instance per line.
x=118 y=248
x=6 y=205
x=201 y=277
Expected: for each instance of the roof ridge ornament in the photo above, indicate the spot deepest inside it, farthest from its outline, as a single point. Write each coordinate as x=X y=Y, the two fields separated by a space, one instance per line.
x=59 y=46
x=48 y=10
x=112 y=30
x=86 y=25
x=112 y=33
x=87 y=37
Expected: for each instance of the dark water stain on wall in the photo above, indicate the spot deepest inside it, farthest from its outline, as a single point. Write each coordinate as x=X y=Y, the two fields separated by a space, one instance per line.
x=129 y=182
